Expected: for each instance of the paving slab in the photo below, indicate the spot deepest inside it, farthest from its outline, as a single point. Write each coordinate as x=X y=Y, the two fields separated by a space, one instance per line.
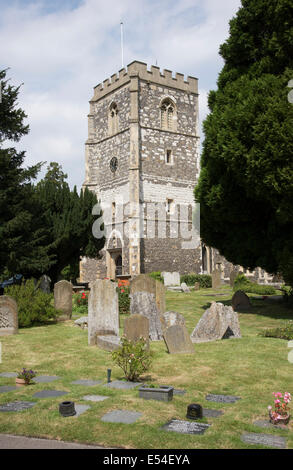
x=267 y=440
x=86 y=382
x=17 y=406
x=267 y=424
x=45 y=378
x=222 y=398
x=7 y=388
x=49 y=393
x=121 y=416
x=8 y=441
x=8 y=374
x=95 y=398
x=185 y=427
x=122 y=384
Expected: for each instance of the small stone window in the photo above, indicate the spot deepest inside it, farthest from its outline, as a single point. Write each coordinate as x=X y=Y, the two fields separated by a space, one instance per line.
x=170 y=206
x=169 y=157
x=113 y=119
x=168 y=115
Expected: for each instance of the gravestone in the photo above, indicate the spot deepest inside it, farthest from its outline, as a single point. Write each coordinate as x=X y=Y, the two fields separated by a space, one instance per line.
x=185 y=427
x=8 y=316
x=122 y=384
x=17 y=406
x=196 y=286
x=63 y=299
x=216 y=279
x=240 y=300
x=82 y=322
x=171 y=279
x=49 y=393
x=95 y=398
x=233 y=276
x=268 y=440
x=218 y=322
x=136 y=326
x=171 y=318
x=222 y=398
x=178 y=340
x=103 y=311
x=145 y=283
x=184 y=287
x=121 y=416
x=144 y=303
x=45 y=283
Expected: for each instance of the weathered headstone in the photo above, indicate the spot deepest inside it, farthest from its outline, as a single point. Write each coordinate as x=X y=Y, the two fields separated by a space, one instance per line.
x=145 y=283
x=233 y=276
x=63 y=299
x=218 y=322
x=8 y=316
x=82 y=322
x=144 y=303
x=268 y=440
x=196 y=286
x=103 y=311
x=222 y=398
x=184 y=287
x=171 y=279
x=171 y=318
x=45 y=283
x=178 y=340
x=136 y=326
x=240 y=300
x=216 y=279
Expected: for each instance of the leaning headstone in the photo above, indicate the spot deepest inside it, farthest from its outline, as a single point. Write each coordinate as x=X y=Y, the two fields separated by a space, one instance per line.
x=103 y=311
x=8 y=316
x=218 y=322
x=178 y=340
x=136 y=326
x=216 y=279
x=240 y=300
x=171 y=279
x=184 y=287
x=171 y=318
x=63 y=299
x=144 y=303
x=45 y=283
x=145 y=283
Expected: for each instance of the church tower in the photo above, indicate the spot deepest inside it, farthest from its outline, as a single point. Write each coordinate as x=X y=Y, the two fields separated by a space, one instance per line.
x=142 y=160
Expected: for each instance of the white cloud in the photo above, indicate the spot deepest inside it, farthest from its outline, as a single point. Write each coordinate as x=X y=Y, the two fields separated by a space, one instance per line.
x=60 y=55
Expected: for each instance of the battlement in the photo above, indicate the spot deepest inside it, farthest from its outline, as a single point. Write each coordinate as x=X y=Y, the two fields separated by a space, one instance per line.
x=140 y=70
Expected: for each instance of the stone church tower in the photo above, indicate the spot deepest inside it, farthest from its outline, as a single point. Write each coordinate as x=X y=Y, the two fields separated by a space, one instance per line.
x=142 y=161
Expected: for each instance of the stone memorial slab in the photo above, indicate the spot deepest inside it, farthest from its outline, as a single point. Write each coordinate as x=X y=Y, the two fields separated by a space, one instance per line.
x=45 y=284
x=177 y=340
x=240 y=300
x=171 y=279
x=233 y=276
x=49 y=394
x=63 y=299
x=7 y=388
x=171 y=318
x=222 y=398
x=145 y=283
x=185 y=427
x=17 y=406
x=216 y=279
x=86 y=382
x=144 y=303
x=185 y=288
x=45 y=378
x=267 y=424
x=82 y=322
x=80 y=409
x=136 y=326
x=267 y=440
x=196 y=286
x=95 y=398
x=160 y=296
x=121 y=416
x=8 y=374
x=103 y=310
x=218 y=322
x=122 y=384
x=108 y=342
x=208 y=413
x=8 y=316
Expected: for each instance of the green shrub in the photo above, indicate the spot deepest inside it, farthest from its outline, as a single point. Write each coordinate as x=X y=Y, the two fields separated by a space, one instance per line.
x=282 y=332
x=80 y=303
x=157 y=276
x=205 y=280
x=123 y=299
x=34 y=305
x=244 y=284
x=133 y=357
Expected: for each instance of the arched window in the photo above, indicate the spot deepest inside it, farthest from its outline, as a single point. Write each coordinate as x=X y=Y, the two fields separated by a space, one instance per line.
x=113 y=119
x=168 y=115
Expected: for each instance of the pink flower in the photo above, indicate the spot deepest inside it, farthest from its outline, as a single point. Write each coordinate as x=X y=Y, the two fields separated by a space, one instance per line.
x=277 y=401
x=269 y=408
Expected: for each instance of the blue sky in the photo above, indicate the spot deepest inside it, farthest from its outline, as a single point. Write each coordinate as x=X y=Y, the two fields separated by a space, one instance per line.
x=60 y=50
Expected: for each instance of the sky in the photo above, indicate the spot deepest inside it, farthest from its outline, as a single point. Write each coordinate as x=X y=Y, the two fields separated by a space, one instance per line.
x=60 y=50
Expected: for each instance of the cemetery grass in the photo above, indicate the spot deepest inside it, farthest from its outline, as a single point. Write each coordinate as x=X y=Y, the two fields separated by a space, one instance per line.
x=252 y=368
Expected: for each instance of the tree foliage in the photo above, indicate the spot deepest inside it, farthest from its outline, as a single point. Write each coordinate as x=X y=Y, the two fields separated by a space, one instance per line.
x=246 y=183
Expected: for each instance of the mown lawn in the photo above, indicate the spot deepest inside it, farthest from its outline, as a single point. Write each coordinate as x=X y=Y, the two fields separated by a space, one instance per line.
x=252 y=367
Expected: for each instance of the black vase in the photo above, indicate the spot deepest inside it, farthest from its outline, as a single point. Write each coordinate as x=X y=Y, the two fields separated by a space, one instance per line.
x=194 y=411
x=66 y=408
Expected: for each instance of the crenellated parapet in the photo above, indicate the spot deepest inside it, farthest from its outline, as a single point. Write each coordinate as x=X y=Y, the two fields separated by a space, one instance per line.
x=154 y=75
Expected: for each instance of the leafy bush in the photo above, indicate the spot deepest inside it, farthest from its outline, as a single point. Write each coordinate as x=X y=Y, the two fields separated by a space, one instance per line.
x=34 y=305
x=244 y=284
x=133 y=357
x=80 y=303
x=157 y=276
x=282 y=332
x=205 y=280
